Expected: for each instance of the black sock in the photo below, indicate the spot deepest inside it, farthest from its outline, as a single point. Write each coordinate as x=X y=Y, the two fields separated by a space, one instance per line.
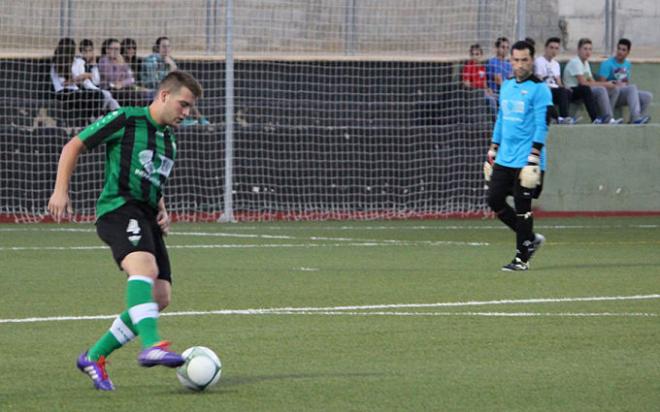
x=524 y=228
x=508 y=217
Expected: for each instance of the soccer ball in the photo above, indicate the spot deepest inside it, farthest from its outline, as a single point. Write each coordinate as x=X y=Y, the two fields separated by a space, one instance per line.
x=201 y=370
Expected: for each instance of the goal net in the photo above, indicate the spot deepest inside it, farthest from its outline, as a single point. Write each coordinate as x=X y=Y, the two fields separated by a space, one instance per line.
x=339 y=109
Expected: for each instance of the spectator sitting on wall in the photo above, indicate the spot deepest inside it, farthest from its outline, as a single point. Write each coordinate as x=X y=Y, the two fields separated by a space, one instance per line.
x=498 y=68
x=546 y=68
x=77 y=104
x=156 y=66
x=129 y=53
x=617 y=69
x=578 y=76
x=473 y=75
x=115 y=73
x=85 y=69
x=117 y=76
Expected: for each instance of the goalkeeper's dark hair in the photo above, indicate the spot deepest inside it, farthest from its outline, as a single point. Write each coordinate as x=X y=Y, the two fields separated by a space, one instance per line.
x=523 y=45
x=177 y=79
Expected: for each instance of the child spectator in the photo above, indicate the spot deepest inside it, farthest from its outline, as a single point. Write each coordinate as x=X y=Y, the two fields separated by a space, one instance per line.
x=473 y=75
x=84 y=67
x=498 y=67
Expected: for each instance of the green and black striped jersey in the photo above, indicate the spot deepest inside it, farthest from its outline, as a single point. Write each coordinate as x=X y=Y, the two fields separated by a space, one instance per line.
x=139 y=157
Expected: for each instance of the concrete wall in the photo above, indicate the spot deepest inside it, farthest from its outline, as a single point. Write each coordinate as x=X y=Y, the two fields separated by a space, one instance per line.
x=605 y=21
x=602 y=168
x=542 y=20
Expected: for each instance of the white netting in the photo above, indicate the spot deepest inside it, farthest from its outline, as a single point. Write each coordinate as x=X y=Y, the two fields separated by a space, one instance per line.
x=343 y=108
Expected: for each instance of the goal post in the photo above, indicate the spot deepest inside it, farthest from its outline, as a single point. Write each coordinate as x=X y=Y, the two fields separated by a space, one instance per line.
x=330 y=109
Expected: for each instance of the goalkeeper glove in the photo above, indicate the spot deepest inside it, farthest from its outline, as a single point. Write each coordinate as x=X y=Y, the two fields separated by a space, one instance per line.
x=530 y=175
x=488 y=164
x=488 y=171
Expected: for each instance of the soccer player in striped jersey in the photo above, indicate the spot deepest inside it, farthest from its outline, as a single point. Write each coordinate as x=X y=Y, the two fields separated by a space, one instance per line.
x=131 y=215
x=516 y=157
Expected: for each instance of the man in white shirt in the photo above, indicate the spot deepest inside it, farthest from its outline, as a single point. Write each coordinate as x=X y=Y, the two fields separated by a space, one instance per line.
x=578 y=77
x=546 y=68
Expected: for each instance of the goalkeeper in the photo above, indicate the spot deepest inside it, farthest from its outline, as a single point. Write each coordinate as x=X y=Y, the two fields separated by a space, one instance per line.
x=516 y=157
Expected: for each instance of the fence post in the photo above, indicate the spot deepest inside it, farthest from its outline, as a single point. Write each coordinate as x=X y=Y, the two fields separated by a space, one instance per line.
x=228 y=215
x=521 y=20
x=610 y=26
x=349 y=28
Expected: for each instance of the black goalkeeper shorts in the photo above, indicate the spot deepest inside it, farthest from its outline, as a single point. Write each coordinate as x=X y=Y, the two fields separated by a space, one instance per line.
x=134 y=228
x=505 y=182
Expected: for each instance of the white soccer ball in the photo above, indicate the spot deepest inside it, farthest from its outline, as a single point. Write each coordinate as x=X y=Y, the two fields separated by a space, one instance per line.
x=201 y=370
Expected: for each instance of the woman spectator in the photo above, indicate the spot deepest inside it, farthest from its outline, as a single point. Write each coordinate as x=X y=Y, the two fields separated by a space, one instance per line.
x=129 y=53
x=117 y=76
x=77 y=103
x=156 y=66
x=115 y=73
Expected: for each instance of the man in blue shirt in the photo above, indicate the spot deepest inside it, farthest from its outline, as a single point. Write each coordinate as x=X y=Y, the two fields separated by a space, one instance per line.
x=516 y=157
x=498 y=68
x=617 y=69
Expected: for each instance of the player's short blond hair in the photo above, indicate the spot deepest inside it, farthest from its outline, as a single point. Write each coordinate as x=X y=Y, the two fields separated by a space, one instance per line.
x=177 y=79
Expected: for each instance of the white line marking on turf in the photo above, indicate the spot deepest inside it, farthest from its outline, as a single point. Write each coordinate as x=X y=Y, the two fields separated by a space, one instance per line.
x=222 y=234
x=482 y=314
x=345 y=228
x=352 y=310
x=266 y=246
x=479 y=303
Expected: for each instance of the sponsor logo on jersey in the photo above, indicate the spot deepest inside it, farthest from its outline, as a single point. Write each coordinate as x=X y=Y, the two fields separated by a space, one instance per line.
x=153 y=167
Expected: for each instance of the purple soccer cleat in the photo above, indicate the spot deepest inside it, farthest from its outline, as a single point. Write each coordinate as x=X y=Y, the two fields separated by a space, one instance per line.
x=160 y=354
x=96 y=371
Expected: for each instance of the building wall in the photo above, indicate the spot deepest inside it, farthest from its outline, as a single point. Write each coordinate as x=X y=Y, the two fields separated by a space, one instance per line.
x=607 y=20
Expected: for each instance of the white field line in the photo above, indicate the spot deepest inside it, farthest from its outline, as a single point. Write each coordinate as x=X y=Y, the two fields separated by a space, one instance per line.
x=359 y=310
x=474 y=314
x=269 y=227
x=475 y=303
x=348 y=242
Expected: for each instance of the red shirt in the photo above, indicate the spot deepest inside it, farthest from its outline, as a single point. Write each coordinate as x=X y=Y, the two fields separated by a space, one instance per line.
x=474 y=73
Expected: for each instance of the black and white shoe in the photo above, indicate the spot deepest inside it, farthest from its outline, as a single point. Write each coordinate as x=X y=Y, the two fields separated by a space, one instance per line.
x=516 y=265
x=538 y=241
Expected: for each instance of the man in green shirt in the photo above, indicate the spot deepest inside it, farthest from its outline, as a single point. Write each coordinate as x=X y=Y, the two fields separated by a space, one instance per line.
x=131 y=215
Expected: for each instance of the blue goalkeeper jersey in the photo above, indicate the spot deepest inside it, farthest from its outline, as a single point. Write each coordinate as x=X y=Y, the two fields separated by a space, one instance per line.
x=521 y=121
